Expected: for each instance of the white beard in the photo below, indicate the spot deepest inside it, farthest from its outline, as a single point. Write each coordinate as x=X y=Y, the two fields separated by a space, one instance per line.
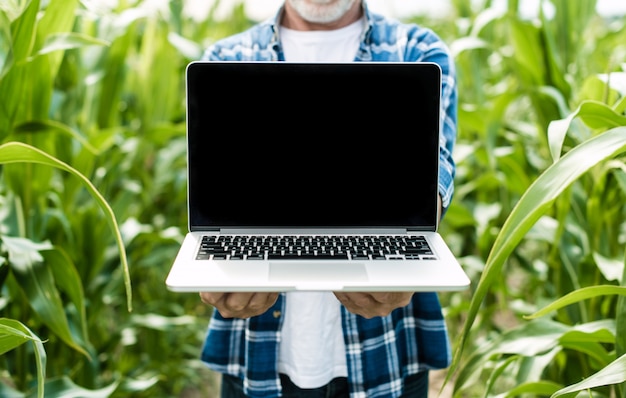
x=321 y=11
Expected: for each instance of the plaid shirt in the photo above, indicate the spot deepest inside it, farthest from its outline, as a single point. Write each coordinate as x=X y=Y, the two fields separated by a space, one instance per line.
x=380 y=351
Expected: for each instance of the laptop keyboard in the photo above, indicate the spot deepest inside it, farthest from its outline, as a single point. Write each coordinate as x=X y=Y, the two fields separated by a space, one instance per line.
x=331 y=247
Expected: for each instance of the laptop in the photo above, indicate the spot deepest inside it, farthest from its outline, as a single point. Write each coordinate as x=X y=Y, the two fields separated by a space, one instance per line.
x=313 y=177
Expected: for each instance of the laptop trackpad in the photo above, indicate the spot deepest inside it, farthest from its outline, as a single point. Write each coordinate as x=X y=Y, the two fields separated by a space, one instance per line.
x=286 y=271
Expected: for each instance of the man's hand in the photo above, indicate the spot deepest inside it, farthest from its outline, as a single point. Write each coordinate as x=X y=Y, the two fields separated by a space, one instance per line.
x=239 y=305
x=369 y=305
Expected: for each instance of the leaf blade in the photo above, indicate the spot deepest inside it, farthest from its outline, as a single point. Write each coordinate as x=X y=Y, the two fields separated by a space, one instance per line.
x=15 y=152
x=531 y=206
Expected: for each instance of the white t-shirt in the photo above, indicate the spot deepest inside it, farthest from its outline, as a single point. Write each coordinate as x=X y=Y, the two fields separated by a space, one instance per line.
x=338 y=45
x=312 y=351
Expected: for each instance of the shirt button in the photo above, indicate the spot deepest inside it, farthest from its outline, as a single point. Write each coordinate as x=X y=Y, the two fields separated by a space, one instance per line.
x=276 y=314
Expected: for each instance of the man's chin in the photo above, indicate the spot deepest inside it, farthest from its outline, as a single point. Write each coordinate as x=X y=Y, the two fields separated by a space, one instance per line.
x=321 y=11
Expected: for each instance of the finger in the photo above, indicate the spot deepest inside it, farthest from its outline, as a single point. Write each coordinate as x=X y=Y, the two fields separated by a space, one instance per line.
x=357 y=303
x=211 y=298
x=261 y=302
x=237 y=302
x=245 y=305
x=258 y=304
x=228 y=304
x=371 y=305
x=383 y=297
x=397 y=299
x=362 y=300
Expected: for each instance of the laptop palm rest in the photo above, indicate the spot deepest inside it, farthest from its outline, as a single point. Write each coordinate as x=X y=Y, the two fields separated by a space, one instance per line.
x=314 y=273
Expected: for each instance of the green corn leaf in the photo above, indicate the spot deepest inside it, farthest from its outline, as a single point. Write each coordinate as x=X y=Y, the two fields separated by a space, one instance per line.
x=187 y=48
x=58 y=19
x=23 y=252
x=484 y=20
x=611 y=269
x=467 y=44
x=24 y=31
x=67 y=41
x=13 y=9
x=529 y=339
x=531 y=206
x=65 y=387
x=52 y=126
x=620 y=320
x=16 y=152
x=537 y=388
x=593 y=352
x=614 y=373
x=602 y=331
x=500 y=369
x=600 y=116
x=37 y=283
x=15 y=79
x=537 y=338
x=620 y=106
x=13 y=334
x=594 y=114
x=6 y=52
x=528 y=53
x=68 y=281
x=579 y=295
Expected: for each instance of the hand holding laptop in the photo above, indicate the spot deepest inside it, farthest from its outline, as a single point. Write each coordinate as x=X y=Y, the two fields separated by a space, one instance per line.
x=245 y=305
x=240 y=304
x=370 y=305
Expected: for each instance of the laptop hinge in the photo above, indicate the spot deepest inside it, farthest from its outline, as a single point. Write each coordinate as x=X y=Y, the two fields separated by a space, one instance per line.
x=422 y=229
x=207 y=229
x=314 y=231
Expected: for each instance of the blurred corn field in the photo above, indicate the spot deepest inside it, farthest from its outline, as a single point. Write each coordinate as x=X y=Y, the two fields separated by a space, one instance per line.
x=93 y=199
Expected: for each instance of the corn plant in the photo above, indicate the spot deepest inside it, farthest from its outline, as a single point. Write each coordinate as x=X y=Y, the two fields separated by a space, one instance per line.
x=92 y=150
x=85 y=143
x=542 y=118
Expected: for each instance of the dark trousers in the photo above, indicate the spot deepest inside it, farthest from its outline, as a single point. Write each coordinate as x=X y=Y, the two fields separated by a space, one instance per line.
x=415 y=386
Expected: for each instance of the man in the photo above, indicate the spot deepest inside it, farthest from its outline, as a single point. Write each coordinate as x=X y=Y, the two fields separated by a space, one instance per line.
x=324 y=344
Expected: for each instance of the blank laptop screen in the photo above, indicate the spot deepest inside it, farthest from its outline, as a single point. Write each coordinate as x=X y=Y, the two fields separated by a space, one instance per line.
x=312 y=145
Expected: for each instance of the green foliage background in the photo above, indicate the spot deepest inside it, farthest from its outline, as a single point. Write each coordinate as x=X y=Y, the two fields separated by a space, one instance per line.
x=93 y=188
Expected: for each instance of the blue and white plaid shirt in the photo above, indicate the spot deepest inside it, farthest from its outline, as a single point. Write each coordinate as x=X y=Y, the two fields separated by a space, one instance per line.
x=380 y=352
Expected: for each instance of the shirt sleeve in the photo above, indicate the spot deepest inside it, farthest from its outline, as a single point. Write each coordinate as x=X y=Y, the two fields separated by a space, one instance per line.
x=425 y=46
x=447 y=139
